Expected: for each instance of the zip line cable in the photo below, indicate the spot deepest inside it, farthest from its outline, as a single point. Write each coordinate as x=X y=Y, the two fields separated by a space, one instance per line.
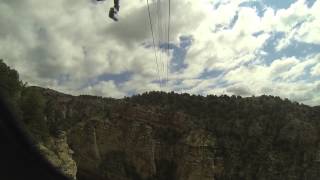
x=161 y=40
x=159 y=35
x=168 y=43
x=163 y=66
x=154 y=46
x=164 y=50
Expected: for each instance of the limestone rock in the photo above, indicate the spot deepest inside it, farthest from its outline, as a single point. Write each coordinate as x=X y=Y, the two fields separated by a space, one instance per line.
x=58 y=152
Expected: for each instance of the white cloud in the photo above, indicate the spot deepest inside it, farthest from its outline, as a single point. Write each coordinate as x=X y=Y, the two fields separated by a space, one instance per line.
x=104 y=88
x=67 y=45
x=316 y=70
x=309 y=31
x=261 y=79
x=45 y=40
x=299 y=22
x=239 y=89
x=281 y=66
x=227 y=48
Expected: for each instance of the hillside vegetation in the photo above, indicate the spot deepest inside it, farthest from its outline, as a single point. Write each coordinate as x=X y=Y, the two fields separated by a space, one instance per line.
x=169 y=136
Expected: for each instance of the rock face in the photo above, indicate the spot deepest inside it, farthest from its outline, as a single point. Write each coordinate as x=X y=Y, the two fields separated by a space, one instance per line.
x=58 y=152
x=119 y=142
x=113 y=150
x=169 y=136
x=137 y=147
x=108 y=139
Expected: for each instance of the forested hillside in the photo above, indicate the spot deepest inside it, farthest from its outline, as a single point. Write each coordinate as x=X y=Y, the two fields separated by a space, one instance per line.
x=169 y=136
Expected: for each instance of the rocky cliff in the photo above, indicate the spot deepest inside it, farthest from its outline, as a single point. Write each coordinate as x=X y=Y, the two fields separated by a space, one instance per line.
x=112 y=139
x=58 y=152
x=168 y=136
x=158 y=139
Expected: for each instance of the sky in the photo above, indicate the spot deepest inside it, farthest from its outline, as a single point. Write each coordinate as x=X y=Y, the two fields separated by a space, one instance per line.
x=233 y=47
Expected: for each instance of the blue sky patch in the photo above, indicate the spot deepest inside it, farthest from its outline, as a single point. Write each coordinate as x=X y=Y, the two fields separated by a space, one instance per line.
x=310 y=2
x=278 y=4
x=295 y=48
x=234 y=20
x=269 y=48
x=256 y=5
x=210 y=74
x=179 y=53
x=117 y=78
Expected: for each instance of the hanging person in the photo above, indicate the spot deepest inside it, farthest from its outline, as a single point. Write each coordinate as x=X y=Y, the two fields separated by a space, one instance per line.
x=113 y=12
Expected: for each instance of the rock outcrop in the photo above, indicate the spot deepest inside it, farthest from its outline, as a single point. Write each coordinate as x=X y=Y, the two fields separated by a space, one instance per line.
x=124 y=140
x=114 y=141
x=58 y=152
x=140 y=148
x=169 y=136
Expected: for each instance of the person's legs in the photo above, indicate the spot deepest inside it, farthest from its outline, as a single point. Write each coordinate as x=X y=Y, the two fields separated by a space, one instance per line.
x=113 y=14
x=117 y=5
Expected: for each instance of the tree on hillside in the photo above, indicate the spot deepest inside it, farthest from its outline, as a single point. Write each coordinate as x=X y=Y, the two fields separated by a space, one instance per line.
x=10 y=85
x=33 y=107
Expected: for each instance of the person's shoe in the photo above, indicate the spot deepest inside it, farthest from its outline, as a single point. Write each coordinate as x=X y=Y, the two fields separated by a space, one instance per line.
x=113 y=14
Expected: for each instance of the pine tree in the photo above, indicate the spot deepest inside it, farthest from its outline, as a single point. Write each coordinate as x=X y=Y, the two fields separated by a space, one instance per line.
x=33 y=107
